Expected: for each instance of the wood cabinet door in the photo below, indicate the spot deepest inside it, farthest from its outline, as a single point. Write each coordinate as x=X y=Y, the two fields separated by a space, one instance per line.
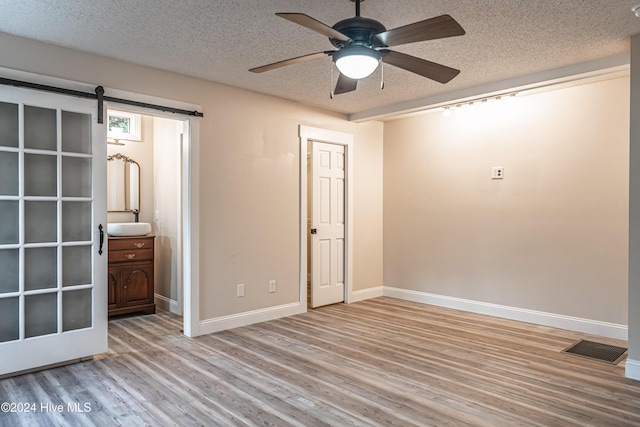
x=137 y=285
x=113 y=285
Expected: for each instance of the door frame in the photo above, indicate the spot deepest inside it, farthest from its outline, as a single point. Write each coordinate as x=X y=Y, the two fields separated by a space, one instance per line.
x=189 y=189
x=306 y=134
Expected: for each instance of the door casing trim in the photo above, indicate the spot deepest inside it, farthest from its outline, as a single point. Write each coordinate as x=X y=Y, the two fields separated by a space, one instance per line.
x=306 y=134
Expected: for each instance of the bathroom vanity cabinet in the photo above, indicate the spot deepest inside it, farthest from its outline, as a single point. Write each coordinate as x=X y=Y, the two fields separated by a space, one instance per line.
x=130 y=277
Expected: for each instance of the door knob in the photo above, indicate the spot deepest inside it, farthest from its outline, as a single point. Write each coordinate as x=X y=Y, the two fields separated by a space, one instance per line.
x=314 y=231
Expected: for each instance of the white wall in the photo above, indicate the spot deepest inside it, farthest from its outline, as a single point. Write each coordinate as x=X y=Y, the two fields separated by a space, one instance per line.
x=367 y=241
x=552 y=236
x=167 y=210
x=249 y=175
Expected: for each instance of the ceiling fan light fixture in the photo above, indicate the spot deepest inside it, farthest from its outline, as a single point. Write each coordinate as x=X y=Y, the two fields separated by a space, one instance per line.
x=357 y=62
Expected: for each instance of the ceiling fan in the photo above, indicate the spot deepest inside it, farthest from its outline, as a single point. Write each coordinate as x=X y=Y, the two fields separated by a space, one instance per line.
x=362 y=43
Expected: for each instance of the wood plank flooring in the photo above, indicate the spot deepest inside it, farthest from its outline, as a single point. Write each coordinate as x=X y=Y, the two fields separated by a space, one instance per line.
x=381 y=362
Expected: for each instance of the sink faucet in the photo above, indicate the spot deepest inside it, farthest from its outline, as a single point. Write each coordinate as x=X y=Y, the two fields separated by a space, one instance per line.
x=136 y=215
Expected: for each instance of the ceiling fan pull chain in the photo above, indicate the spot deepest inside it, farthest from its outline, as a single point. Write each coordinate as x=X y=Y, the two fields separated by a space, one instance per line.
x=382 y=74
x=331 y=80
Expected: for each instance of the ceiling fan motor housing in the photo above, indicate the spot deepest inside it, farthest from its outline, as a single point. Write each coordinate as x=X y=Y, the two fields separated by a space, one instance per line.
x=361 y=31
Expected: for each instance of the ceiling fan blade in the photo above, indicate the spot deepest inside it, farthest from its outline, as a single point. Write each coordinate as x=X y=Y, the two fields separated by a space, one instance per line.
x=315 y=25
x=428 y=69
x=287 y=62
x=345 y=84
x=429 y=29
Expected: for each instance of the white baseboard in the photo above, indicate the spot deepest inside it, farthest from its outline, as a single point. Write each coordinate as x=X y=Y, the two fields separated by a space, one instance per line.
x=595 y=327
x=167 y=304
x=248 y=318
x=364 y=294
x=632 y=369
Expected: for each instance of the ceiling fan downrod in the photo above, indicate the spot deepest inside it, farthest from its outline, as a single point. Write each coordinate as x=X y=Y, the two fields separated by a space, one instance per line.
x=357 y=2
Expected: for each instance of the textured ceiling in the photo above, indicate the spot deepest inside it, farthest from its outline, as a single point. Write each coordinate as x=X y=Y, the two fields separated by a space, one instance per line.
x=219 y=40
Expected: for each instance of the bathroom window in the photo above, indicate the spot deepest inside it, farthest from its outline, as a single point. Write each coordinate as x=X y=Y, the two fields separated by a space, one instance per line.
x=123 y=125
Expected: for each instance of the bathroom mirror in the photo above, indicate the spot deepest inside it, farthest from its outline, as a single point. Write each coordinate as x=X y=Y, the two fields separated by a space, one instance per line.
x=123 y=184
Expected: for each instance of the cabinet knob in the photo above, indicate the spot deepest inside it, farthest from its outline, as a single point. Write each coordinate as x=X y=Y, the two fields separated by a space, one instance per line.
x=138 y=244
x=130 y=256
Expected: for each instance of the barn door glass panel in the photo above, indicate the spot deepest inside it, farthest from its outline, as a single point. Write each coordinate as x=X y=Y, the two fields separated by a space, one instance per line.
x=9 y=265
x=9 y=125
x=9 y=319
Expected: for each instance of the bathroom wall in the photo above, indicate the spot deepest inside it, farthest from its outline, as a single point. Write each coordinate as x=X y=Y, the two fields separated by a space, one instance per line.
x=142 y=152
x=167 y=220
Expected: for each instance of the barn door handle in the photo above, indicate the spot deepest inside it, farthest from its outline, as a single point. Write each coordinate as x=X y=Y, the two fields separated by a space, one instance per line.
x=314 y=231
x=101 y=238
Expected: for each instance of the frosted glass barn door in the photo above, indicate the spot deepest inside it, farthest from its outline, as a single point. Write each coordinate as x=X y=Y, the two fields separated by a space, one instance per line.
x=52 y=201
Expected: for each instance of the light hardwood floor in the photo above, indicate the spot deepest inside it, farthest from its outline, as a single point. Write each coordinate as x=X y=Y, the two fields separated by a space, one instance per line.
x=377 y=362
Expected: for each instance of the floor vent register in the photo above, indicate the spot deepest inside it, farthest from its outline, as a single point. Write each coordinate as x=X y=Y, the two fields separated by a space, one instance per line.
x=597 y=351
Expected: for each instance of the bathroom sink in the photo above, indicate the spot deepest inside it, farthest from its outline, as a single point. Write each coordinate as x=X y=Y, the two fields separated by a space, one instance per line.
x=121 y=229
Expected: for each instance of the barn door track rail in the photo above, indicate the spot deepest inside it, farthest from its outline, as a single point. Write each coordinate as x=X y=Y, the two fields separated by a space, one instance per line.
x=99 y=96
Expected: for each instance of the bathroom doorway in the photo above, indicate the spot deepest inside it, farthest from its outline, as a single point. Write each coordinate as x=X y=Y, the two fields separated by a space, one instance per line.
x=157 y=147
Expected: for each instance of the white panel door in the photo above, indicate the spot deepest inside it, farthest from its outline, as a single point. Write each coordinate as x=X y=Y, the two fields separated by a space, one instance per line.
x=327 y=224
x=53 y=294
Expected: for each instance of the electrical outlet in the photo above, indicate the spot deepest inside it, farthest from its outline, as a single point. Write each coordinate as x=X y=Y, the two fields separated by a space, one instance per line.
x=240 y=290
x=497 y=172
x=272 y=285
